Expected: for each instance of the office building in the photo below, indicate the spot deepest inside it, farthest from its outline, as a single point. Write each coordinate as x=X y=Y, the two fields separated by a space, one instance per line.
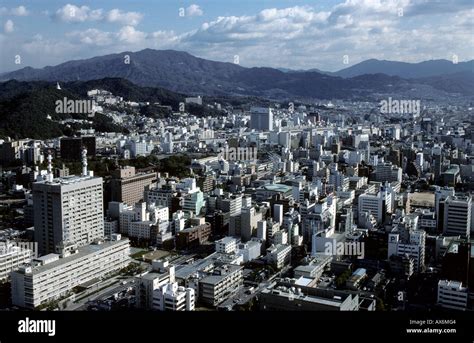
x=261 y=119
x=67 y=211
x=457 y=215
x=128 y=186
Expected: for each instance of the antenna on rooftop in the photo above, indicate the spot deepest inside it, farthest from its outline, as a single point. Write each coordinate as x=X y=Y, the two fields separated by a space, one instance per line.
x=84 y=162
x=49 y=177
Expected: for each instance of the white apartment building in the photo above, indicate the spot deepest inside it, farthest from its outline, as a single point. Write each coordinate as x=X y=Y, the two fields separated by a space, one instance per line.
x=67 y=210
x=145 y=285
x=233 y=204
x=377 y=204
x=12 y=257
x=249 y=250
x=279 y=255
x=171 y=297
x=140 y=230
x=51 y=277
x=452 y=295
x=226 y=245
x=414 y=247
x=140 y=148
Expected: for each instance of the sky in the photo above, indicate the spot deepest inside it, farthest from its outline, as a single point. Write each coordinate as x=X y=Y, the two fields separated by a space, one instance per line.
x=327 y=34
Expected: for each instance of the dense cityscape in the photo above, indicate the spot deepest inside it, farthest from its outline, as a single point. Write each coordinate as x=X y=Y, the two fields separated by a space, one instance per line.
x=322 y=206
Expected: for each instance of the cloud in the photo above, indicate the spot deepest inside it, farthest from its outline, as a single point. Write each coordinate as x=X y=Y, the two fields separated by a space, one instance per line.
x=19 y=11
x=129 y=34
x=126 y=35
x=92 y=37
x=75 y=14
x=8 y=27
x=194 y=11
x=298 y=37
x=126 y=18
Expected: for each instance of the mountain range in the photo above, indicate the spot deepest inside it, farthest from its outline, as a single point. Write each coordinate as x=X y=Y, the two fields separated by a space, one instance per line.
x=181 y=72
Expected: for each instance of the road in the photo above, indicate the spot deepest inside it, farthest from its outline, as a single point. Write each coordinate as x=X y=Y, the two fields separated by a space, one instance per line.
x=111 y=285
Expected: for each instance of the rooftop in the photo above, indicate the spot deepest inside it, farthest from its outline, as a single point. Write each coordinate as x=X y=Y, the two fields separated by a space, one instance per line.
x=82 y=252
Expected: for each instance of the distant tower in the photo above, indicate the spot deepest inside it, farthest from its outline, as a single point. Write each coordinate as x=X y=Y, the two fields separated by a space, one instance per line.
x=58 y=86
x=49 y=177
x=84 y=162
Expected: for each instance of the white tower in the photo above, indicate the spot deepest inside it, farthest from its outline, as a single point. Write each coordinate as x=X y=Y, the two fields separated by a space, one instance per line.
x=49 y=177
x=84 y=162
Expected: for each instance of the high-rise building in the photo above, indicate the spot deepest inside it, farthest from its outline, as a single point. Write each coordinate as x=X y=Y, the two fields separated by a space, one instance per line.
x=67 y=211
x=441 y=194
x=278 y=213
x=420 y=160
x=249 y=219
x=261 y=118
x=457 y=215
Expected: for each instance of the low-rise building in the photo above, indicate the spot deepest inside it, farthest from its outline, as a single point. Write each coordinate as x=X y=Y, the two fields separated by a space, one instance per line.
x=279 y=255
x=171 y=297
x=226 y=245
x=452 y=295
x=224 y=281
x=285 y=297
x=51 y=277
x=11 y=258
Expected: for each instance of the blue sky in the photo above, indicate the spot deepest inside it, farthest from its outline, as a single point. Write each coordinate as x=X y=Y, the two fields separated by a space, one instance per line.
x=279 y=33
